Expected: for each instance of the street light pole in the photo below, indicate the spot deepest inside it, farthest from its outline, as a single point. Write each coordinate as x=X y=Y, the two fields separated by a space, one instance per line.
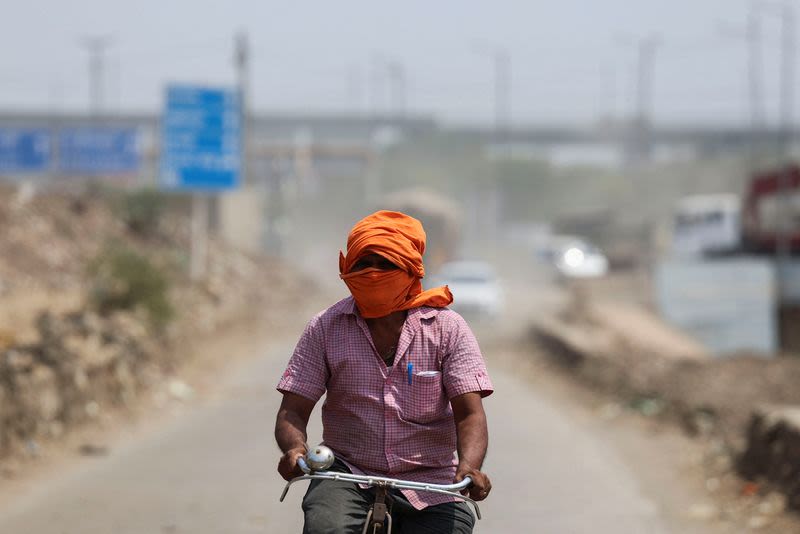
x=502 y=94
x=501 y=66
x=96 y=47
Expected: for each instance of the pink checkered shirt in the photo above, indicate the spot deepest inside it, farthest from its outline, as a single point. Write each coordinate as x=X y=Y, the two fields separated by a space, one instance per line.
x=373 y=419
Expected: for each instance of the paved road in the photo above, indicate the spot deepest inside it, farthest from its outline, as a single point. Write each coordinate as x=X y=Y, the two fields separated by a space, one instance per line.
x=211 y=471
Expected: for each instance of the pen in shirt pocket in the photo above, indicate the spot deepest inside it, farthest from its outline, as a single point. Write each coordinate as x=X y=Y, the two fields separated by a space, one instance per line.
x=410 y=369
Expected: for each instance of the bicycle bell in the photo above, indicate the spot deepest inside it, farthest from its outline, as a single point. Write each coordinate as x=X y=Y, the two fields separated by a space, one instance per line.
x=319 y=458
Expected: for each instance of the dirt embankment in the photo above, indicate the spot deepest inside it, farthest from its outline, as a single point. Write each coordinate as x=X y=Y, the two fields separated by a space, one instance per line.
x=731 y=402
x=77 y=340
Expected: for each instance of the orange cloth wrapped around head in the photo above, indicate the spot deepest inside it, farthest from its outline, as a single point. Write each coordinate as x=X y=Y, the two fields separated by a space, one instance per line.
x=401 y=240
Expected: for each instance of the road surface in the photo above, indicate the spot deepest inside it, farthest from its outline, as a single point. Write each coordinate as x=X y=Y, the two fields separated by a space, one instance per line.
x=212 y=471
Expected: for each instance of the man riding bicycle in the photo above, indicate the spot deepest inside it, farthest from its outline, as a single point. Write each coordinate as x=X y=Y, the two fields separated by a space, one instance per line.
x=404 y=378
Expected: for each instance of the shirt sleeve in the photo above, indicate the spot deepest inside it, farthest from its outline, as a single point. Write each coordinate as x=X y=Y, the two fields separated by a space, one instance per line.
x=307 y=373
x=463 y=367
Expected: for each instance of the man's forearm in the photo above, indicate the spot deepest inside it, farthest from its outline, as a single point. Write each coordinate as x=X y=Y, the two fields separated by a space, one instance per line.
x=473 y=439
x=290 y=431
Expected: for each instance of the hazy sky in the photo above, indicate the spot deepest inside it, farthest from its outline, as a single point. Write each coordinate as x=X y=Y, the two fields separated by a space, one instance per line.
x=572 y=60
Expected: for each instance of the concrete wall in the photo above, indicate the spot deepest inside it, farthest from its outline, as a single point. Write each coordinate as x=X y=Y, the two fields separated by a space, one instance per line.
x=727 y=304
x=241 y=218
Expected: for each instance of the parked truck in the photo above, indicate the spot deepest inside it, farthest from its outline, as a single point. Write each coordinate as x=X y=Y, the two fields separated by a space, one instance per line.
x=441 y=217
x=755 y=223
x=745 y=236
x=771 y=210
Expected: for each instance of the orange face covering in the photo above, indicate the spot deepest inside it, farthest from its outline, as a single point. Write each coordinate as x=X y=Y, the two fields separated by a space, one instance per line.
x=401 y=240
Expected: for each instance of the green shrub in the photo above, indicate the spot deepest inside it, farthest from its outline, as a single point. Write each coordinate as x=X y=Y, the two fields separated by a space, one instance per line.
x=123 y=279
x=142 y=211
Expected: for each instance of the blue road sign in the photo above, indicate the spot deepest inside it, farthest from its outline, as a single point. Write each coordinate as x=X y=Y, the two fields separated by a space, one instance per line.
x=201 y=139
x=98 y=150
x=24 y=150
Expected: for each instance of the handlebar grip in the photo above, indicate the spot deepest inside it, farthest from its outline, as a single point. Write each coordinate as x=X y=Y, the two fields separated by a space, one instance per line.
x=301 y=463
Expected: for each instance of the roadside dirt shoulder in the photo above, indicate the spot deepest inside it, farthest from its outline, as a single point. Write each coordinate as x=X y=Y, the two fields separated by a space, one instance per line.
x=204 y=361
x=690 y=479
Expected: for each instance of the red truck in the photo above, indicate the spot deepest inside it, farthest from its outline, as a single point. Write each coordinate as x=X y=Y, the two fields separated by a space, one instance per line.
x=771 y=207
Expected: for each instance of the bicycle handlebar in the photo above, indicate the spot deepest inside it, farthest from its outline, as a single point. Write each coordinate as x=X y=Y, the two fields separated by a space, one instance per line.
x=384 y=481
x=445 y=489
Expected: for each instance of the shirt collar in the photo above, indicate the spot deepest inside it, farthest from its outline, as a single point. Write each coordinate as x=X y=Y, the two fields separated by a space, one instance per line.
x=349 y=306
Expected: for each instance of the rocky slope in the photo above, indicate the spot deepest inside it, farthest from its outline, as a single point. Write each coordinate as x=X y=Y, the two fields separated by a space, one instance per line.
x=68 y=350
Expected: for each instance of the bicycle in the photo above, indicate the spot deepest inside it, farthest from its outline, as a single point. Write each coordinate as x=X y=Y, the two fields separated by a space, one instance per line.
x=315 y=463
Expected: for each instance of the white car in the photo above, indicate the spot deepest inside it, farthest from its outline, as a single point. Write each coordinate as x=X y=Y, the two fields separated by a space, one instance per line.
x=476 y=290
x=573 y=257
x=581 y=260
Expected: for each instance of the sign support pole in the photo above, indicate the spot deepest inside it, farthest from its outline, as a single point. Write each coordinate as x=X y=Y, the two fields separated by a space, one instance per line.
x=200 y=155
x=199 y=237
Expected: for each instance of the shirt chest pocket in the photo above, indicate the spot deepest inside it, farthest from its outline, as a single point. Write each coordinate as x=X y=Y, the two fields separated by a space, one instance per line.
x=425 y=400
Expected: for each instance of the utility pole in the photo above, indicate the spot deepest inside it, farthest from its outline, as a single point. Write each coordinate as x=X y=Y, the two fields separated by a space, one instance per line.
x=353 y=98
x=376 y=85
x=388 y=85
x=783 y=246
x=645 y=66
x=96 y=47
x=241 y=61
x=752 y=35
x=787 y=75
x=785 y=12
x=637 y=139
x=397 y=87
x=644 y=78
x=638 y=142
x=787 y=108
x=606 y=106
x=502 y=95
x=375 y=88
x=754 y=70
x=491 y=198
x=502 y=125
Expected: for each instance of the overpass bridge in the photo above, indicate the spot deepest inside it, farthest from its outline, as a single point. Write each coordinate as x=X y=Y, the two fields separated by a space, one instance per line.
x=285 y=127
x=346 y=143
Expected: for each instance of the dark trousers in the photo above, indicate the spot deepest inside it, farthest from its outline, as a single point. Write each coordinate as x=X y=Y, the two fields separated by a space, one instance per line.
x=332 y=507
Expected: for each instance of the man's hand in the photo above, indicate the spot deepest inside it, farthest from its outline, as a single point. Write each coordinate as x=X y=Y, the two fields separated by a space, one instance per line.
x=287 y=466
x=481 y=485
